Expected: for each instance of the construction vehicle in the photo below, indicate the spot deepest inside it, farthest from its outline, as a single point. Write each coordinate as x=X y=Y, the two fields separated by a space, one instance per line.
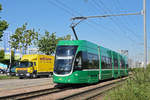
x=32 y=66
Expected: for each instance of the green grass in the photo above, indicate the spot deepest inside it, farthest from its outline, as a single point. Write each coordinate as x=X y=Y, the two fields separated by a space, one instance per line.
x=135 y=88
x=8 y=77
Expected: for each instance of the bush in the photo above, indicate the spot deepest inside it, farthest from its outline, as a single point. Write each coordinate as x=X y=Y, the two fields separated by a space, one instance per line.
x=136 y=87
x=7 y=77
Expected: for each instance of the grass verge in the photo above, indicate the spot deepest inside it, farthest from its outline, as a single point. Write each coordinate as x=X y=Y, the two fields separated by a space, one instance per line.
x=136 y=87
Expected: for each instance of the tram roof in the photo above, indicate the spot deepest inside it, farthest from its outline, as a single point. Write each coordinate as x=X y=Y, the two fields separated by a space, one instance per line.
x=83 y=43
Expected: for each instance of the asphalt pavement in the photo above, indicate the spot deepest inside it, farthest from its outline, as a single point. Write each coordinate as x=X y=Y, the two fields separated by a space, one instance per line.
x=23 y=83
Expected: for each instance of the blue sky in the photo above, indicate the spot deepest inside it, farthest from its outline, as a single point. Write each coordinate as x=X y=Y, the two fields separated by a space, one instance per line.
x=125 y=32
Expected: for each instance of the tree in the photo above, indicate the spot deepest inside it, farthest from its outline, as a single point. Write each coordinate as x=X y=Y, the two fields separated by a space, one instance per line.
x=3 y=25
x=22 y=38
x=2 y=53
x=47 y=43
x=67 y=37
x=36 y=38
x=3 y=60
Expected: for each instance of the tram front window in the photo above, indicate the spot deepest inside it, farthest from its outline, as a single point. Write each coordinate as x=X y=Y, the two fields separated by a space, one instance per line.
x=64 y=58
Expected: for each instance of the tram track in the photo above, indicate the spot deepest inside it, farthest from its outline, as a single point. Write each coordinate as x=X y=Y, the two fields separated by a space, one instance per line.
x=94 y=92
x=33 y=94
x=84 y=95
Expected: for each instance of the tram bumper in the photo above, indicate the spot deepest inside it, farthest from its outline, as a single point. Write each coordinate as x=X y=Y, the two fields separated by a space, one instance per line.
x=63 y=79
x=74 y=78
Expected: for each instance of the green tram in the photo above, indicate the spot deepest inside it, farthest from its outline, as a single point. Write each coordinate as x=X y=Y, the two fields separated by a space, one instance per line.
x=81 y=61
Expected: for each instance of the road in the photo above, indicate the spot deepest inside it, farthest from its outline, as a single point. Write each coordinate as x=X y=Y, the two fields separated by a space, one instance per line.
x=22 y=83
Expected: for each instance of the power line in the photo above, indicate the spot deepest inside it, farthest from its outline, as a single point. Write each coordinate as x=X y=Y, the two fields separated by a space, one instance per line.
x=54 y=3
x=116 y=5
x=64 y=6
x=96 y=5
x=121 y=24
x=115 y=22
x=127 y=29
x=72 y=12
x=145 y=34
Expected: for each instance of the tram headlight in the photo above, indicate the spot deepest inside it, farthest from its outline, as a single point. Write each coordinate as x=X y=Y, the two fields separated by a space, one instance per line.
x=76 y=74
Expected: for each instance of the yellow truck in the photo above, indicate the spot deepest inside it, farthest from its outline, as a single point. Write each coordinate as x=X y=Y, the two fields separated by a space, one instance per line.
x=35 y=65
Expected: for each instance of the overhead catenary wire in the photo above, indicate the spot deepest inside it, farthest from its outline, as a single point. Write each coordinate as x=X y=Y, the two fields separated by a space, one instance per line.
x=72 y=12
x=118 y=25
x=61 y=5
x=54 y=3
x=145 y=37
x=106 y=10
x=114 y=22
x=116 y=5
x=127 y=29
x=98 y=9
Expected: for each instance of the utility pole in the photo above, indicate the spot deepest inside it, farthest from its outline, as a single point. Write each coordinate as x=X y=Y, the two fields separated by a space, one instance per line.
x=10 y=61
x=145 y=34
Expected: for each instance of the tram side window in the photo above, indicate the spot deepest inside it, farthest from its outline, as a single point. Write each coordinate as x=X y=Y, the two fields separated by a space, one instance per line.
x=106 y=62
x=93 y=62
x=96 y=61
x=109 y=65
x=103 y=62
x=84 y=60
x=122 y=64
x=115 y=64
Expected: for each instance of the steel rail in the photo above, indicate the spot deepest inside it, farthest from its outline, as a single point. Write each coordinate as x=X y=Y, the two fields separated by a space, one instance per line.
x=106 y=89
x=91 y=93
x=85 y=94
x=33 y=94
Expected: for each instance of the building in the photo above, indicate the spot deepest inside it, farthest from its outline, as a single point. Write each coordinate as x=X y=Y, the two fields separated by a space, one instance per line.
x=6 y=44
x=124 y=52
x=32 y=51
x=130 y=63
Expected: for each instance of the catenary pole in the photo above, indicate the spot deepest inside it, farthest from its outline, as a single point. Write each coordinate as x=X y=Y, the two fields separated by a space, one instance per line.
x=145 y=34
